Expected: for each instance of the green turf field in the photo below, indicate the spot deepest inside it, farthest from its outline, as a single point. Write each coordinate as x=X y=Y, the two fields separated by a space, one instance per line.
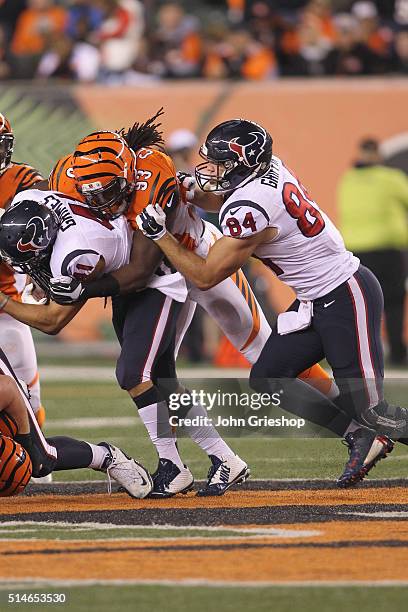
x=269 y=458
x=198 y=599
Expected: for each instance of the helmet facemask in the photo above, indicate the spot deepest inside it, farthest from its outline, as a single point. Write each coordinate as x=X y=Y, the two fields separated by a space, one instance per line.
x=111 y=200
x=214 y=182
x=6 y=150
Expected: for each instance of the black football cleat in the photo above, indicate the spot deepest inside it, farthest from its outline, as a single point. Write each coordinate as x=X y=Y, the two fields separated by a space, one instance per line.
x=223 y=474
x=168 y=480
x=365 y=450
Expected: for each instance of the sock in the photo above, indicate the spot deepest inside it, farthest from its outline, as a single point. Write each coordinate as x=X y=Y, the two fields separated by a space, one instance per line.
x=72 y=454
x=99 y=455
x=154 y=413
x=306 y=402
x=206 y=436
x=354 y=425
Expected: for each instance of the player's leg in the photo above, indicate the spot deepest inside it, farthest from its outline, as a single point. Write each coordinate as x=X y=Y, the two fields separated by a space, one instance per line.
x=145 y=324
x=281 y=361
x=223 y=459
x=348 y=321
x=233 y=306
x=17 y=343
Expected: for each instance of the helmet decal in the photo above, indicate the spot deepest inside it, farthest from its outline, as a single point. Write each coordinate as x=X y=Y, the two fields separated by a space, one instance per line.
x=249 y=152
x=38 y=241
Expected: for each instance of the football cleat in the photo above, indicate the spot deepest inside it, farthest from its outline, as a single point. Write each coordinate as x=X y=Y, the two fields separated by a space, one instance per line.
x=130 y=474
x=168 y=480
x=223 y=474
x=42 y=479
x=365 y=450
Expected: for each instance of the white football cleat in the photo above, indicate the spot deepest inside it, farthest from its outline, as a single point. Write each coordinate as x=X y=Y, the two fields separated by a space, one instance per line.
x=169 y=479
x=223 y=474
x=42 y=479
x=130 y=474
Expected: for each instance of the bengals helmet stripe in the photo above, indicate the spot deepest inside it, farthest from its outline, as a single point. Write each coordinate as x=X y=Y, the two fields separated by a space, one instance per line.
x=8 y=426
x=15 y=467
x=104 y=171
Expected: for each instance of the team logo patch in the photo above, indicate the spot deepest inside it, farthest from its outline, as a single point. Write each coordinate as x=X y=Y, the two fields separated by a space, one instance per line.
x=249 y=152
x=39 y=239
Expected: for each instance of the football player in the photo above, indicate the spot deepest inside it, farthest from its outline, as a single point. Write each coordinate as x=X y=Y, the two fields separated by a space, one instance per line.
x=16 y=337
x=231 y=303
x=44 y=234
x=267 y=212
x=17 y=421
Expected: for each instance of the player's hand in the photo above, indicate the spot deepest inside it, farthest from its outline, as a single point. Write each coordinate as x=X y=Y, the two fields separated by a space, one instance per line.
x=66 y=290
x=29 y=295
x=152 y=222
x=187 y=185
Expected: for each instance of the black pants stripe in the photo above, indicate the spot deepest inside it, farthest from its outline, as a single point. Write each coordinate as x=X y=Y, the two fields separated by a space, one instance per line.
x=346 y=330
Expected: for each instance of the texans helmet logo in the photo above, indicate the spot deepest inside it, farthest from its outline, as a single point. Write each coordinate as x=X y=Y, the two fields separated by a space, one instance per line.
x=39 y=239
x=249 y=152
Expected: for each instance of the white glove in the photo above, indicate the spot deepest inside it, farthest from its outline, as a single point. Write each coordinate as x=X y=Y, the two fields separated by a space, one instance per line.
x=28 y=298
x=152 y=222
x=187 y=185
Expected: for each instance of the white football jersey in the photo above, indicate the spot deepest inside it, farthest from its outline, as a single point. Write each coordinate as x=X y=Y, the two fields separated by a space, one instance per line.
x=82 y=237
x=308 y=253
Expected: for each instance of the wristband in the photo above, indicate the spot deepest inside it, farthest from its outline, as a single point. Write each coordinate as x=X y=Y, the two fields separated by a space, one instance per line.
x=103 y=287
x=4 y=301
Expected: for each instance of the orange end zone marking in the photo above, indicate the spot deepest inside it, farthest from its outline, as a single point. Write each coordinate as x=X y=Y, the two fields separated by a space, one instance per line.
x=233 y=499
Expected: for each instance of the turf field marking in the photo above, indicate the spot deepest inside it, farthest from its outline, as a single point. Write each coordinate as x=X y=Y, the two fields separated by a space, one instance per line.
x=385 y=514
x=272 y=531
x=92 y=423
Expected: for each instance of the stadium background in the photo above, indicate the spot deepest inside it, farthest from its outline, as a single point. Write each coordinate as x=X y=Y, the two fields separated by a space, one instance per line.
x=303 y=85
x=166 y=50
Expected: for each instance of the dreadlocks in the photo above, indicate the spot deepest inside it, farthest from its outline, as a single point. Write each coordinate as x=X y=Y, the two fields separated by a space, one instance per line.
x=144 y=134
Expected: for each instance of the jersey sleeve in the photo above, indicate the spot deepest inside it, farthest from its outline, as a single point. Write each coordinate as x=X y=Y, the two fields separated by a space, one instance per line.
x=79 y=263
x=26 y=178
x=243 y=218
x=156 y=183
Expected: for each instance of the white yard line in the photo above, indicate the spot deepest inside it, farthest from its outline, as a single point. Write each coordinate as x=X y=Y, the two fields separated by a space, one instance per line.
x=103 y=373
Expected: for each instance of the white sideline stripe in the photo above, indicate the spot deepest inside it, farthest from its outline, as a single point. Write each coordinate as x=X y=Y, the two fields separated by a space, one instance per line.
x=390 y=514
x=262 y=531
x=287 y=480
x=91 y=423
x=107 y=374
x=40 y=581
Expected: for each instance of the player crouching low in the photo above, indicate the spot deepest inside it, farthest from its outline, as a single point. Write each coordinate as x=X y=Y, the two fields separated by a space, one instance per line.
x=24 y=451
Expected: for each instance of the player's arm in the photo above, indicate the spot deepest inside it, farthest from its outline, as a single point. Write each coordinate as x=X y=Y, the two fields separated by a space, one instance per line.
x=225 y=257
x=48 y=318
x=144 y=258
x=51 y=318
x=12 y=402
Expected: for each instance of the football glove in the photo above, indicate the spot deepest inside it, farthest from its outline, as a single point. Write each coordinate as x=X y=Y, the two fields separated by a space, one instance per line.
x=152 y=222
x=187 y=185
x=66 y=290
x=27 y=296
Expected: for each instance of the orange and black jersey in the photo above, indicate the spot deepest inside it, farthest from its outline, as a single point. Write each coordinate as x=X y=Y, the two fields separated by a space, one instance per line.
x=17 y=177
x=156 y=183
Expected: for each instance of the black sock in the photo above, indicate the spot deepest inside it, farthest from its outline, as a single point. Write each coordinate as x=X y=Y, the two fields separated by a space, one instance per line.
x=72 y=454
x=306 y=402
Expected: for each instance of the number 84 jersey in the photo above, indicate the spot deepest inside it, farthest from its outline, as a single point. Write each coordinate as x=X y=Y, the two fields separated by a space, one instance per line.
x=308 y=252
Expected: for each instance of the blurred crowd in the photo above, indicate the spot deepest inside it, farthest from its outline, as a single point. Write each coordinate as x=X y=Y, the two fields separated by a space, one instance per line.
x=135 y=40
